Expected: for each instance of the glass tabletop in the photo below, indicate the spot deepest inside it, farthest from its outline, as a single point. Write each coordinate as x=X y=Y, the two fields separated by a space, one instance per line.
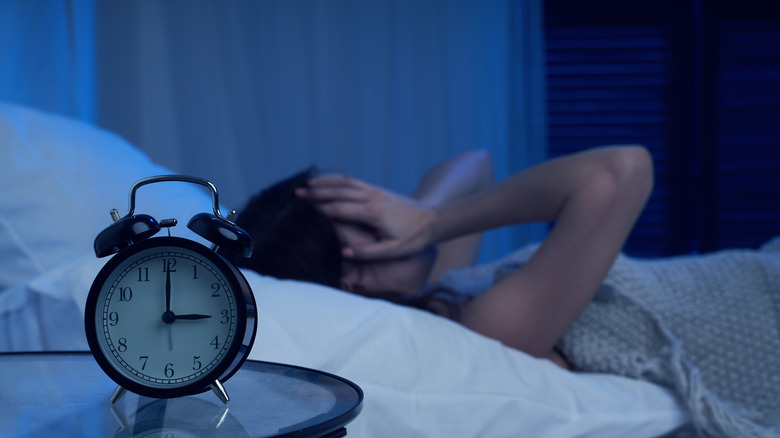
x=68 y=393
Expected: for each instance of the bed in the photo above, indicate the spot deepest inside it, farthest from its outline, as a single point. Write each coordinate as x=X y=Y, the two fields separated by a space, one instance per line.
x=423 y=376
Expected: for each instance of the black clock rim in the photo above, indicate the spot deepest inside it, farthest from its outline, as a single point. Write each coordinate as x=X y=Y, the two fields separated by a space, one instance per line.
x=250 y=328
x=235 y=355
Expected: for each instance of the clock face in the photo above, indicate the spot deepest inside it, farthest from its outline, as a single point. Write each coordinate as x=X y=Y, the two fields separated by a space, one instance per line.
x=166 y=315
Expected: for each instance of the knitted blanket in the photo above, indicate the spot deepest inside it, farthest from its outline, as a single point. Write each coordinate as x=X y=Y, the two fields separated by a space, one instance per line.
x=707 y=327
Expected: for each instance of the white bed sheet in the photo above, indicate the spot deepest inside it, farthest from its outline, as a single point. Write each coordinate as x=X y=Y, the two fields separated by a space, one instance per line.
x=422 y=375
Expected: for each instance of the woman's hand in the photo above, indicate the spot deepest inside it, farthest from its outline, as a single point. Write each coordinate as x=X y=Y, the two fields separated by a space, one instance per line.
x=403 y=224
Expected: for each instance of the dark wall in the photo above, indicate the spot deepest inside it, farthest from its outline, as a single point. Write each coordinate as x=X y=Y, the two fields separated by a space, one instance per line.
x=698 y=83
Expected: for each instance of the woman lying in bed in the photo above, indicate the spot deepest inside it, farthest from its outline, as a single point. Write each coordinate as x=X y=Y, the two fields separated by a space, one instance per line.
x=377 y=243
x=705 y=327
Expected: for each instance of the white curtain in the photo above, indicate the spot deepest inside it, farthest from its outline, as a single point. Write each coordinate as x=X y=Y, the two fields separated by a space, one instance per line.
x=246 y=92
x=47 y=56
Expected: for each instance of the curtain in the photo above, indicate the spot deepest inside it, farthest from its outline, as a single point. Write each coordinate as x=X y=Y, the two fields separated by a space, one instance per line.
x=247 y=92
x=47 y=53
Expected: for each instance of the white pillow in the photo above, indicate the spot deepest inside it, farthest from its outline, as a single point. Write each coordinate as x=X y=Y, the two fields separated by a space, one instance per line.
x=422 y=375
x=427 y=376
x=60 y=177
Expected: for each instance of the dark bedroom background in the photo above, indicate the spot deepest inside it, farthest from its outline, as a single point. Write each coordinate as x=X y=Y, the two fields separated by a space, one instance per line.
x=698 y=83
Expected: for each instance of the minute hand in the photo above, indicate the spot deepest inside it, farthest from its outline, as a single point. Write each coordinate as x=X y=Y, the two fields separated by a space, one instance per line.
x=168 y=290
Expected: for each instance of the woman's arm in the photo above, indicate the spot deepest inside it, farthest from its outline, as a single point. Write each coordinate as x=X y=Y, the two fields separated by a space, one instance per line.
x=594 y=197
x=461 y=176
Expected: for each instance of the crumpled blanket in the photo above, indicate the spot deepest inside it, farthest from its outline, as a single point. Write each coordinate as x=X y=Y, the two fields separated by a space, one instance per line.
x=707 y=327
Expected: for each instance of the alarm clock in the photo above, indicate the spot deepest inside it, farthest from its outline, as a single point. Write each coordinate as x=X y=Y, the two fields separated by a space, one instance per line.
x=167 y=316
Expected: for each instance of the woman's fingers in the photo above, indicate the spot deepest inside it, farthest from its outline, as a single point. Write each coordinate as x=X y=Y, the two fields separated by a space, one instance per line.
x=334 y=180
x=400 y=222
x=336 y=187
x=372 y=251
x=349 y=212
x=332 y=194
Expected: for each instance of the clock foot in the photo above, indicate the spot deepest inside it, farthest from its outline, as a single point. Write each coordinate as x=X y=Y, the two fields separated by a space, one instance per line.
x=118 y=393
x=219 y=390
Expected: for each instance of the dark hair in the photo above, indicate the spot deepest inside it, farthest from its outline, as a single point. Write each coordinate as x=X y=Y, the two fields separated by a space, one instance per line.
x=292 y=238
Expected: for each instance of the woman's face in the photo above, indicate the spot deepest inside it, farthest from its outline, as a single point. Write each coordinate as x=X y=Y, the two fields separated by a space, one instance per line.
x=405 y=275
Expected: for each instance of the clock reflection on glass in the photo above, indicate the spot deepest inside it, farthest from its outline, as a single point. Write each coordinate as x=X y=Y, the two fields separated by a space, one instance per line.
x=183 y=418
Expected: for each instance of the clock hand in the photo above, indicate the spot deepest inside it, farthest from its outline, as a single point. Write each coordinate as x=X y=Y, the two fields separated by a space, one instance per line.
x=169 y=317
x=192 y=316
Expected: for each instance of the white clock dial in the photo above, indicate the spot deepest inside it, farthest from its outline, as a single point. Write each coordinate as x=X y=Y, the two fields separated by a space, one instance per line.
x=166 y=316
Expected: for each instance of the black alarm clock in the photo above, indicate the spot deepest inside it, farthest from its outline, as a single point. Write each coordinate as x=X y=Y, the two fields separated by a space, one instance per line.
x=167 y=316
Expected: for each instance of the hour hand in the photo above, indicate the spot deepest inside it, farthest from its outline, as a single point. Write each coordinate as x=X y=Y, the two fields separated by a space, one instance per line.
x=192 y=316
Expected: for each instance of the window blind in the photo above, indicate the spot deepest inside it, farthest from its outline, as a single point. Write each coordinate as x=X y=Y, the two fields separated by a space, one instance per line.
x=609 y=85
x=698 y=83
x=748 y=132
